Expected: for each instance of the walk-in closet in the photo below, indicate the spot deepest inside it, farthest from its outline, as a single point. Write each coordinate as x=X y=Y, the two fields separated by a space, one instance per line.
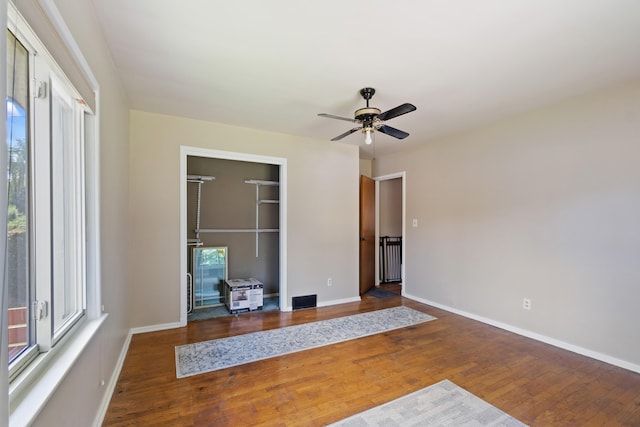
x=233 y=214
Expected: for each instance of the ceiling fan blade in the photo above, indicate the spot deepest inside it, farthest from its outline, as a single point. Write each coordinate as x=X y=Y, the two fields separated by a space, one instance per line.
x=347 y=133
x=398 y=111
x=396 y=133
x=331 y=116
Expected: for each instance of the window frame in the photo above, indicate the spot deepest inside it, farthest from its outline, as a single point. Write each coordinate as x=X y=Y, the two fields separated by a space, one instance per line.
x=56 y=223
x=31 y=351
x=72 y=210
x=37 y=377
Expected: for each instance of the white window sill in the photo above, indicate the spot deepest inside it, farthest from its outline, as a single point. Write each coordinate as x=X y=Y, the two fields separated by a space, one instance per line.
x=31 y=390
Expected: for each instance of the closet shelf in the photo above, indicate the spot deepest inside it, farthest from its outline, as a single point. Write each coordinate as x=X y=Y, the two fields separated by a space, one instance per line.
x=260 y=183
x=238 y=230
x=194 y=242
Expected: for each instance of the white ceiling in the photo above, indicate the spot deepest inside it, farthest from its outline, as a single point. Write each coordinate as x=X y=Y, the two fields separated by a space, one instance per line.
x=274 y=65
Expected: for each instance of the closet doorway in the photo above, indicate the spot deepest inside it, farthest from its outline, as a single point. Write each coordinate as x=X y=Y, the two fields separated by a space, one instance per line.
x=232 y=205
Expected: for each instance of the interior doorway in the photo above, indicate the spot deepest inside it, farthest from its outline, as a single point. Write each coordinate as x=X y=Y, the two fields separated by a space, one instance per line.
x=367 y=234
x=260 y=238
x=391 y=229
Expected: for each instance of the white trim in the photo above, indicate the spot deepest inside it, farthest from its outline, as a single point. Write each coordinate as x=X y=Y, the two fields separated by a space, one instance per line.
x=92 y=205
x=534 y=335
x=403 y=176
x=245 y=157
x=42 y=376
x=283 y=197
x=61 y=27
x=339 y=301
x=155 y=328
x=113 y=381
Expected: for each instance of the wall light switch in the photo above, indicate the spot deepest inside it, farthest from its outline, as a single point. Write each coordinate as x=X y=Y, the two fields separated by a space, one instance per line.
x=415 y=223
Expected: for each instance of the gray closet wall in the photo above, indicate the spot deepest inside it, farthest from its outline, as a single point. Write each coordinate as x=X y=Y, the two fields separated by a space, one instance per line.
x=229 y=203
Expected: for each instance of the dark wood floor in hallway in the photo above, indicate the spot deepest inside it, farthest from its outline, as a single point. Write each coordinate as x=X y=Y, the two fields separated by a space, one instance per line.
x=539 y=384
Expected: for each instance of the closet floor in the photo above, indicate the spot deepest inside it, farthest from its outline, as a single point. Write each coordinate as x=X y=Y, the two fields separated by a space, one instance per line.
x=268 y=304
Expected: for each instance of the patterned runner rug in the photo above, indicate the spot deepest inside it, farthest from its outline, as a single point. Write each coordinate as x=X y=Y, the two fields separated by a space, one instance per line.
x=442 y=404
x=207 y=356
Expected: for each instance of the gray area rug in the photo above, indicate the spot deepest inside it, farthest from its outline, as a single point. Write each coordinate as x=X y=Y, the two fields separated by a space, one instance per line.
x=442 y=404
x=381 y=293
x=207 y=356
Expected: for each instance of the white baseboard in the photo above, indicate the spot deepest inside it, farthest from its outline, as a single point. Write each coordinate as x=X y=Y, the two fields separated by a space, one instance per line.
x=106 y=398
x=155 y=328
x=533 y=335
x=338 y=301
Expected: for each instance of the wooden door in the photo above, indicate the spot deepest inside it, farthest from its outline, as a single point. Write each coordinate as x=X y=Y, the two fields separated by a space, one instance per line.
x=367 y=234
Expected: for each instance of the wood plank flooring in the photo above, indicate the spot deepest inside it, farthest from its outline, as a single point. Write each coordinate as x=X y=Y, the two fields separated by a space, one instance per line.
x=539 y=384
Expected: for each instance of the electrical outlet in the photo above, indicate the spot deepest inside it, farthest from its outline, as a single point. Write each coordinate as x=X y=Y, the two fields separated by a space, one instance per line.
x=329 y=281
x=526 y=304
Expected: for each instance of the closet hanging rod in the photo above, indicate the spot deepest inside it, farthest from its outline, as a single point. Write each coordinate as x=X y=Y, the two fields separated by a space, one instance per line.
x=261 y=182
x=200 y=178
x=237 y=230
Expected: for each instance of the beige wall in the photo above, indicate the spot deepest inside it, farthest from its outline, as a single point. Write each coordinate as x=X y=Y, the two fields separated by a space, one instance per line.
x=366 y=166
x=542 y=206
x=322 y=217
x=77 y=399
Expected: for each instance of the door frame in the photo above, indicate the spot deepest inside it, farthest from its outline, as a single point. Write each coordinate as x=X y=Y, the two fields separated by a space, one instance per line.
x=402 y=175
x=186 y=151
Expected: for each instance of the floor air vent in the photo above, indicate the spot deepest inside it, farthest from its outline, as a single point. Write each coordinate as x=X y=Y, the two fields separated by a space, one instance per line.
x=306 y=301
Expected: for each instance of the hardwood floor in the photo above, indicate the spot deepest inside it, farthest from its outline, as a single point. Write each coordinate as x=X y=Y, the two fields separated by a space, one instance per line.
x=539 y=384
x=396 y=288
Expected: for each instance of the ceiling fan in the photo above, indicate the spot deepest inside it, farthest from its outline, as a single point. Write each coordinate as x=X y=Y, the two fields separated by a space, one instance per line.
x=371 y=119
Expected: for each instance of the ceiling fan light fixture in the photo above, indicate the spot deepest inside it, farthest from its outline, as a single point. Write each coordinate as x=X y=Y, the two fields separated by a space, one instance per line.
x=371 y=119
x=367 y=136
